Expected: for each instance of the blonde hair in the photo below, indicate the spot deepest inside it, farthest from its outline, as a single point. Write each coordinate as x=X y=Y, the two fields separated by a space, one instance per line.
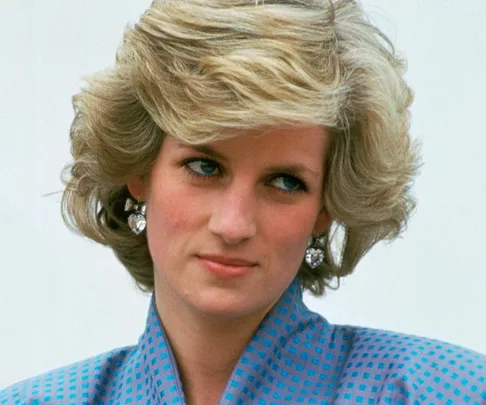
x=201 y=70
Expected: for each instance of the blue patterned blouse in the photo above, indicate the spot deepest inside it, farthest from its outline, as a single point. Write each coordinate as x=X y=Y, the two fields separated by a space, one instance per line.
x=295 y=357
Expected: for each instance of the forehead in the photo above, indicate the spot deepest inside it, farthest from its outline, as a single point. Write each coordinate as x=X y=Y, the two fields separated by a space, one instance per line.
x=285 y=132
x=299 y=141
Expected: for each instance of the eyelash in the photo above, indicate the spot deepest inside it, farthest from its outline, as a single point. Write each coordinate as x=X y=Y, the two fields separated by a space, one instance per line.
x=185 y=163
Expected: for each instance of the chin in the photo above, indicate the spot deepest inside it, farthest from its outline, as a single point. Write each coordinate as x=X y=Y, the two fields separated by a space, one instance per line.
x=224 y=304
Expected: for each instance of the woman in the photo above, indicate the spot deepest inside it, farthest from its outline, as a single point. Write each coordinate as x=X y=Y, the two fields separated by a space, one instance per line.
x=218 y=158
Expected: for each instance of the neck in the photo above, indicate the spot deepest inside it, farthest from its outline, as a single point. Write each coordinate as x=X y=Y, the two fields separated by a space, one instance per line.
x=206 y=348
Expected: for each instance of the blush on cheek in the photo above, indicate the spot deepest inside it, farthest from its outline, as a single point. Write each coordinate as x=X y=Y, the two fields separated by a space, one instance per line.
x=293 y=241
x=169 y=215
x=294 y=256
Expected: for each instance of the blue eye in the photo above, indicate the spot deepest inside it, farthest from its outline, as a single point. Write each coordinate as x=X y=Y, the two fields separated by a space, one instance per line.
x=203 y=167
x=288 y=184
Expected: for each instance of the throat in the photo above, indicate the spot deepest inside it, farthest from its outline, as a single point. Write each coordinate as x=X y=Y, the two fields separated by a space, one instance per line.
x=206 y=347
x=206 y=363
x=206 y=351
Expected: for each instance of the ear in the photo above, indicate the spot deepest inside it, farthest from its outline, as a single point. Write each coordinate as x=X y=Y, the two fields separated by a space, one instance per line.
x=136 y=186
x=323 y=221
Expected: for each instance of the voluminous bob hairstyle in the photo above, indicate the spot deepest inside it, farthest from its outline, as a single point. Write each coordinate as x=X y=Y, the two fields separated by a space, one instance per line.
x=203 y=70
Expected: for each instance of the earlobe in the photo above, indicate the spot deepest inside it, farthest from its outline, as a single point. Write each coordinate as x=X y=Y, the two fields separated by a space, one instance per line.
x=136 y=187
x=323 y=221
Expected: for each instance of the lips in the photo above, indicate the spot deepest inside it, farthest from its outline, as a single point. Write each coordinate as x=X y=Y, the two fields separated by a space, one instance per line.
x=226 y=267
x=228 y=261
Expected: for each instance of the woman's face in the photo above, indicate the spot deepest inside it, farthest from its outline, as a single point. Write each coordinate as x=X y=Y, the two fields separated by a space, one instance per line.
x=228 y=222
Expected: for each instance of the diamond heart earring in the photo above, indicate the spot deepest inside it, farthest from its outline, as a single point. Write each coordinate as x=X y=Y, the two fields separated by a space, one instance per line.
x=314 y=254
x=136 y=220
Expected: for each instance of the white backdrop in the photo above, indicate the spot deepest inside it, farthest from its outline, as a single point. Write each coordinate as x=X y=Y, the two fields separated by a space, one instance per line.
x=63 y=298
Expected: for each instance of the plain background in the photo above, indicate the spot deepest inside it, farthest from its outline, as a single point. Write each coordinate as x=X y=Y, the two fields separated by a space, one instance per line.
x=63 y=298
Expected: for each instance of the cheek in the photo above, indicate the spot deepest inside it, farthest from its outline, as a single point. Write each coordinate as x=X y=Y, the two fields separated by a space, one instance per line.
x=163 y=216
x=166 y=213
x=171 y=227
x=291 y=234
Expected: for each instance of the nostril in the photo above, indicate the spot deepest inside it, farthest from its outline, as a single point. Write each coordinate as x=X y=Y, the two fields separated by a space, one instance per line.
x=232 y=228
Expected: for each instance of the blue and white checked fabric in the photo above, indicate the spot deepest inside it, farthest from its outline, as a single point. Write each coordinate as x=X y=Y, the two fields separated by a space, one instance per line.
x=295 y=357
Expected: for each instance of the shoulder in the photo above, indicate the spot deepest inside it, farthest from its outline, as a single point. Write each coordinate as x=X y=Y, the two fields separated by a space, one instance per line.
x=83 y=382
x=411 y=368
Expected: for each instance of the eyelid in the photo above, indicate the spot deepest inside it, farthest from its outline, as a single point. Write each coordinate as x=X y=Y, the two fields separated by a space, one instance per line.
x=302 y=184
x=272 y=176
x=185 y=164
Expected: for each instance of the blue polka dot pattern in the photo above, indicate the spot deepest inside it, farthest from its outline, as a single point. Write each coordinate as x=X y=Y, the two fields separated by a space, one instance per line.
x=295 y=357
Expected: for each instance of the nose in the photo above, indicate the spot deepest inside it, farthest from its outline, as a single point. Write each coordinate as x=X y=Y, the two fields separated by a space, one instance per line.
x=233 y=216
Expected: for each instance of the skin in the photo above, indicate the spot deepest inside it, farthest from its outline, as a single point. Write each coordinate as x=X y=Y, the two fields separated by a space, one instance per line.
x=240 y=198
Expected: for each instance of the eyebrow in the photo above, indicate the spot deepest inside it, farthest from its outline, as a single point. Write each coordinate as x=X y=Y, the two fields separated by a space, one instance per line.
x=208 y=150
x=293 y=169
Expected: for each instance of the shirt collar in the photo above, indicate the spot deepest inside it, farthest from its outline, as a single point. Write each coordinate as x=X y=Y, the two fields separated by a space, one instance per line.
x=162 y=379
